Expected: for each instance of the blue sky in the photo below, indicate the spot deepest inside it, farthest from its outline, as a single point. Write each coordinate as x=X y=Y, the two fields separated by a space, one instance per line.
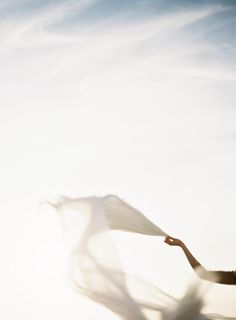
x=216 y=29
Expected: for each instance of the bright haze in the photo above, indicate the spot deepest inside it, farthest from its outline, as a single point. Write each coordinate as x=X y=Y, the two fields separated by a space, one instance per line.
x=134 y=98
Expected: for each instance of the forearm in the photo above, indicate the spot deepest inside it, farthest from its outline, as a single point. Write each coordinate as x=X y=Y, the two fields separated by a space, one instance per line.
x=198 y=268
x=223 y=277
x=191 y=259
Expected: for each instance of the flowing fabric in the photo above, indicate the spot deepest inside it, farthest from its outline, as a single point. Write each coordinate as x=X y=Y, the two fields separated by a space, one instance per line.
x=112 y=212
x=96 y=270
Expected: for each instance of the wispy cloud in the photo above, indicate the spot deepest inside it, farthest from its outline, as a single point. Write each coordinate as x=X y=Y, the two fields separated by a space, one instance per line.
x=159 y=40
x=16 y=29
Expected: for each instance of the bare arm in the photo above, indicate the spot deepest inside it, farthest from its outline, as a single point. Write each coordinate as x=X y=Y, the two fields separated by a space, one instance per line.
x=223 y=277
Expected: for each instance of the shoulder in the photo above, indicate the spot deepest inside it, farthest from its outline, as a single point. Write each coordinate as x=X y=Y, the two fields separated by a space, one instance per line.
x=227 y=277
x=223 y=277
x=234 y=275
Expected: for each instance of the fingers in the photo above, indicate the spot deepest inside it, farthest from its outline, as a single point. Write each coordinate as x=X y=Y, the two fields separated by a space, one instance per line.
x=168 y=239
x=172 y=241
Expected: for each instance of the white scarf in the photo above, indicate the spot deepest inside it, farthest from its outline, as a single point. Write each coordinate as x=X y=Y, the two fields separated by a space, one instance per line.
x=96 y=270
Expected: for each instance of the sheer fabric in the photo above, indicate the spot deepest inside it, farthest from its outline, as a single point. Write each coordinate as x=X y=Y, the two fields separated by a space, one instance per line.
x=96 y=270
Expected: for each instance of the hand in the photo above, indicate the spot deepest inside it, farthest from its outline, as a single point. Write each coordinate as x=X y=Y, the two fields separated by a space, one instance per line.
x=173 y=241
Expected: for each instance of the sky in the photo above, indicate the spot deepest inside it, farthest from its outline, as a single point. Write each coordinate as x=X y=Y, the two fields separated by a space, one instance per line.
x=134 y=98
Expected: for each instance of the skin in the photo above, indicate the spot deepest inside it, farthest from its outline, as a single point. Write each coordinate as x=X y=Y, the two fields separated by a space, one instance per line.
x=222 y=277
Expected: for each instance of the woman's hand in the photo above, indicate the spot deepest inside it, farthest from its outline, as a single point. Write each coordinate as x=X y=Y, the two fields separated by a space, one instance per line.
x=173 y=241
